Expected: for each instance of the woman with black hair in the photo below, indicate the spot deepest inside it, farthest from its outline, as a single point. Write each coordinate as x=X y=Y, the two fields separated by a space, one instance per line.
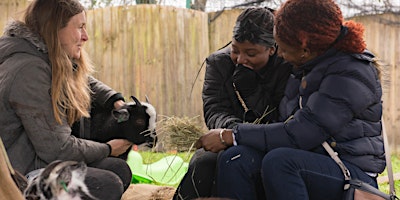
x=244 y=82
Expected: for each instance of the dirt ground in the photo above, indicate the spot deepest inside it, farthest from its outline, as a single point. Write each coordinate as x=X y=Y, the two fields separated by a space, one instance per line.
x=148 y=192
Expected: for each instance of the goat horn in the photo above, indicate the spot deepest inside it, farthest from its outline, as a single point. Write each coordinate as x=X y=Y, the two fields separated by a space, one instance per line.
x=136 y=100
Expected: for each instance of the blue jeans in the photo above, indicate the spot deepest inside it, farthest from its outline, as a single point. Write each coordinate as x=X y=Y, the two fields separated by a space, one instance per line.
x=239 y=173
x=199 y=180
x=286 y=174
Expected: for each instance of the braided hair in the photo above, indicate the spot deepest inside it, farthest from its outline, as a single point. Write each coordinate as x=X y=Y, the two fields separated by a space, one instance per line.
x=256 y=26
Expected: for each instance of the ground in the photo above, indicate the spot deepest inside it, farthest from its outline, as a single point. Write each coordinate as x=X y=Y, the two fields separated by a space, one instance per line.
x=148 y=192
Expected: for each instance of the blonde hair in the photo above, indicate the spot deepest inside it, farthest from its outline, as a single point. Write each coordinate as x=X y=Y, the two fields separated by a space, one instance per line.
x=70 y=91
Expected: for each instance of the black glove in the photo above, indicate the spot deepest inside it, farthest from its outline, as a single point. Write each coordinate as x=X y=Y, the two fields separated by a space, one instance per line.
x=245 y=80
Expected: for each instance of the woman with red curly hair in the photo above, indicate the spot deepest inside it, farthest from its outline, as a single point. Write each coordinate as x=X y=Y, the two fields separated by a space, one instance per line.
x=334 y=95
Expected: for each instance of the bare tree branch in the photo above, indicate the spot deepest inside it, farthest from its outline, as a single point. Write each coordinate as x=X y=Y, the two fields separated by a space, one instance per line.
x=350 y=8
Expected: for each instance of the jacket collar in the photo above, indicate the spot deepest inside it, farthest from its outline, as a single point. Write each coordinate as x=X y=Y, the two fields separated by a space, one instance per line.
x=308 y=66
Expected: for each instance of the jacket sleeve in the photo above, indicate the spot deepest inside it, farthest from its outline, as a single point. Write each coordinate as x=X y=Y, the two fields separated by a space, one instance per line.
x=103 y=95
x=217 y=107
x=51 y=141
x=330 y=109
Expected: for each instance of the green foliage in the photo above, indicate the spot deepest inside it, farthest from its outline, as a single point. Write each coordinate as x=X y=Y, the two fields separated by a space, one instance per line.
x=396 y=169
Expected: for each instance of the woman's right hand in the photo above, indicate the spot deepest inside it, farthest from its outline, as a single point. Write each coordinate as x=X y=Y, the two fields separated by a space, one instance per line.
x=119 y=146
x=212 y=141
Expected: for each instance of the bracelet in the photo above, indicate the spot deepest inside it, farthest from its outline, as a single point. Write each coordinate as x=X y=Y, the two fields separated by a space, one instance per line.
x=220 y=137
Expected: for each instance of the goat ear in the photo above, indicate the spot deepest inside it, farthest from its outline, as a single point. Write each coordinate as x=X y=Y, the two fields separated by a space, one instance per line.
x=136 y=100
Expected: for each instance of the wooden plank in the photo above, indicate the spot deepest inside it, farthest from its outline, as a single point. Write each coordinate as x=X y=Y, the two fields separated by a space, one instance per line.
x=385 y=179
x=8 y=188
x=11 y=10
x=221 y=28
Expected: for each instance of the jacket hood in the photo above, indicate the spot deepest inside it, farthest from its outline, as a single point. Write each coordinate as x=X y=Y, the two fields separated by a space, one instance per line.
x=20 y=30
x=18 y=38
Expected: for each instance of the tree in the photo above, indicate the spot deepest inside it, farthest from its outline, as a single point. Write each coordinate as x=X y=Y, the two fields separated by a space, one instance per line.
x=92 y=4
x=199 y=5
x=359 y=8
x=146 y=1
x=349 y=7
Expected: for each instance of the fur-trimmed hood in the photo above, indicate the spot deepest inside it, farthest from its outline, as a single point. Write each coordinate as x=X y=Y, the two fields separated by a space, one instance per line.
x=19 y=30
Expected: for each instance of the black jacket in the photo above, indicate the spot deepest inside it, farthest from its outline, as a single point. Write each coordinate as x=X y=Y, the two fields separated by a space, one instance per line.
x=221 y=106
x=340 y=97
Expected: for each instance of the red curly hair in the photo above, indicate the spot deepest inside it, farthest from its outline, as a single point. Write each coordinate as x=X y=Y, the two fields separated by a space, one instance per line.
x=315 y=24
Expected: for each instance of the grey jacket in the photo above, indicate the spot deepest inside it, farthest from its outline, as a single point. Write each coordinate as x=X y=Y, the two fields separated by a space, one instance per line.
x=27 y=125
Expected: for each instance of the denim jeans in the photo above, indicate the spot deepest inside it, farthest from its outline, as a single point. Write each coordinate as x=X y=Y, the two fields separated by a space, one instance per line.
x=285 y=173
x=199 y=180
x=239 y=173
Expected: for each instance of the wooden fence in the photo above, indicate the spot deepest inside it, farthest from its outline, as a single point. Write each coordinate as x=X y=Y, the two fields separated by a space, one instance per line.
x=10 y=9
x=158 y=51
x=154 y=51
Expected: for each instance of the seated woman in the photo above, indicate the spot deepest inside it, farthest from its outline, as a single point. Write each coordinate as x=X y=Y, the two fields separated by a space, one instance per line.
x=244 y=82
x=45 y=87
x=334 y=96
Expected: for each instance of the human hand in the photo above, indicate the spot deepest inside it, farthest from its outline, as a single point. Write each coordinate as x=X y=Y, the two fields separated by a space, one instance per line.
x=121 y=115
x=119 y=146
x=245 y=80
x=118 y=104
x=212 y=141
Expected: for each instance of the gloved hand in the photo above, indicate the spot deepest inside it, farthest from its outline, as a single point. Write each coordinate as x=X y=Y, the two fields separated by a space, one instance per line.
x=245 y=80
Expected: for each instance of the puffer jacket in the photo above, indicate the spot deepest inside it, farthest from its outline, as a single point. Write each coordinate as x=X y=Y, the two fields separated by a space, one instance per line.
x=336 y=98
x=221 y=106
x=28 y=128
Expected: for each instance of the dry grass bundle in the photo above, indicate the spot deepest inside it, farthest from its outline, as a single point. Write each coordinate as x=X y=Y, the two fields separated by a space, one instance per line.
x=179 y=133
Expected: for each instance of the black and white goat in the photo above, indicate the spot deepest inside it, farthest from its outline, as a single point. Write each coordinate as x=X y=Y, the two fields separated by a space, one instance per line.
x=135 y=121
x=60 y=180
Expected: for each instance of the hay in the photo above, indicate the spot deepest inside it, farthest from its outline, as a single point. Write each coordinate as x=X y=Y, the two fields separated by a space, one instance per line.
x=179 y=133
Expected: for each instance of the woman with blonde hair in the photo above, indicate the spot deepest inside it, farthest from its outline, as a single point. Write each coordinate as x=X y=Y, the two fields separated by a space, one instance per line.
x=46 y=86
